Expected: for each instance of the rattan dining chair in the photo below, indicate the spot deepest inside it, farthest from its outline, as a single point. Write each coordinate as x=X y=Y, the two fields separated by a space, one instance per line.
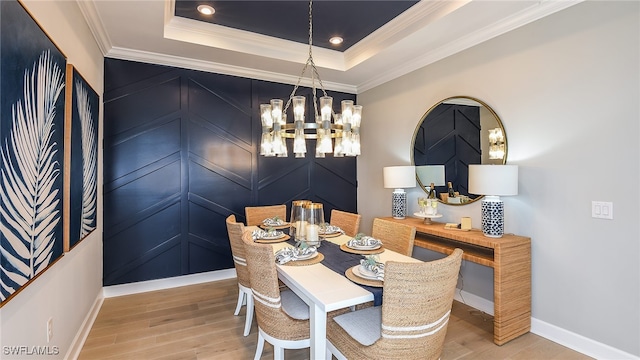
x=283 y=318
x=394 y=236
x=255 y=214
x=412 y=321
x=235 y=230
x=347 y=221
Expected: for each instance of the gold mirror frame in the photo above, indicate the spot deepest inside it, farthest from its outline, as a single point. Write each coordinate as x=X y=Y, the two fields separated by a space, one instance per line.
x=468 y=100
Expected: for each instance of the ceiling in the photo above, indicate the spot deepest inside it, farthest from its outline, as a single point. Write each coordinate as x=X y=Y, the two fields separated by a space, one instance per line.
x=383 y=39
x=330 y=18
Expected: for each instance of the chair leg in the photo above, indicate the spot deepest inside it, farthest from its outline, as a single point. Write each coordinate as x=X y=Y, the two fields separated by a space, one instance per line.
x=278 y=353
x=249 y=315
x=241 y=296
x=259 y=347
x=333 y=351
x=328 y=356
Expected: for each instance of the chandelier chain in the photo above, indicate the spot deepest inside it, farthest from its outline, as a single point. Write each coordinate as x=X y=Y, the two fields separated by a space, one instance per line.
x=314 y=71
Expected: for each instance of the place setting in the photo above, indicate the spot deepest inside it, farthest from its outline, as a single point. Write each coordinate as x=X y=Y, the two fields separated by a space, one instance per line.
x=298 y=256
x=363 y=244
x=369 y=272
x=330 y=231
x=274 y=222
x=269 y=236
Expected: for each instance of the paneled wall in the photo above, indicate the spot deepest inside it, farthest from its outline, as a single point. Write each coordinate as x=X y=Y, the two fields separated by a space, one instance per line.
x=181 y=154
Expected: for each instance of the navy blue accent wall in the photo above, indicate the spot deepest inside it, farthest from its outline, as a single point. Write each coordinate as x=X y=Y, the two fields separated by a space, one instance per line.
x=181 y=153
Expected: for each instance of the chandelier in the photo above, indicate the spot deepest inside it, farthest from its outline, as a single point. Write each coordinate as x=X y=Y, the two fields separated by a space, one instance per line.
x=340 y=136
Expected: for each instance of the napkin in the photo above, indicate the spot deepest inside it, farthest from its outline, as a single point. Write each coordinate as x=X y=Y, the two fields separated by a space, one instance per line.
x=261 y=234
x=376 y=268
x=367 y=241
x=287 y=254
x=274 y=221
x=330 y=229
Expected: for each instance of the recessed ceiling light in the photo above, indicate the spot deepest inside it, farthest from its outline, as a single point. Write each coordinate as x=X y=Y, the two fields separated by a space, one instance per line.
x=206 y=9
x=336 y=40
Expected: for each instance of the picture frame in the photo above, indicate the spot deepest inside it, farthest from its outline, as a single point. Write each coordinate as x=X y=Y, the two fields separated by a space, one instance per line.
x=81 y=158
x=32 y=80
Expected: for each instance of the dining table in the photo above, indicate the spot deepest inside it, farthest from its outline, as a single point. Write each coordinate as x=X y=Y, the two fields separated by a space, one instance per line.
x=325 y=288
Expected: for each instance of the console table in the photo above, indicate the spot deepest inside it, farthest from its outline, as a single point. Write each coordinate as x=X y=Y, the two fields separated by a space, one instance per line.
x=510 y=258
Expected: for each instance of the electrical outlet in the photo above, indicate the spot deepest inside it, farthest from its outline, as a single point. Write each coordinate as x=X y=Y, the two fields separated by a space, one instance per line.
x=49 y=329
x=602 y=210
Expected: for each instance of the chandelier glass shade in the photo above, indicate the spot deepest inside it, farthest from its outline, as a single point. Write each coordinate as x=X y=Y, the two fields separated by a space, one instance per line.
x=337 y=133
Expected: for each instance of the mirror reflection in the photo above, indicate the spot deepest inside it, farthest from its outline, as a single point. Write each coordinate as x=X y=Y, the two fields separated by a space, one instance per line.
x=455 y=133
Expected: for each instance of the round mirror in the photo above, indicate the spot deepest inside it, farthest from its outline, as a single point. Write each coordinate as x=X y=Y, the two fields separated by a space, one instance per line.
x=452 y=134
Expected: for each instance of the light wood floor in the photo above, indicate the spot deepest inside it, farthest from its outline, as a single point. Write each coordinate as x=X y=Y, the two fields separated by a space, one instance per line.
x=197 y=322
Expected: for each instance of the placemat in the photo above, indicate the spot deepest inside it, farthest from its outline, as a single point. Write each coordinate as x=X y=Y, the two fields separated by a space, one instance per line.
x=361 y=281
x=312 y=261
x=336 y=234
x=279 y=227
x=339 y=261
x=273 y=241
x=345 y=248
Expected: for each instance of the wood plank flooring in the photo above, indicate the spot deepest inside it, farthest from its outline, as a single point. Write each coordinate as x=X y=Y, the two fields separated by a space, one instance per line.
x=196 y=322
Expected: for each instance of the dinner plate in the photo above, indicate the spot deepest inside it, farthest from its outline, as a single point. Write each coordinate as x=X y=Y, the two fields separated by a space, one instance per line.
x=331 y=235
x=277 y=227
x=367 y=247
x=364 y=273
x=307 y=256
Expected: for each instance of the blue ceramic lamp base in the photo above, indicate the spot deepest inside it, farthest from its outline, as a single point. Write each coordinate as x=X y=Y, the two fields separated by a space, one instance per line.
x=399 y=204
x=492 y=216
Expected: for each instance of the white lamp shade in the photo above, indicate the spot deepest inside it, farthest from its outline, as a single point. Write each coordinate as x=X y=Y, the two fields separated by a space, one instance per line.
x=399 y=177
x=431 y=174
x=499 y=180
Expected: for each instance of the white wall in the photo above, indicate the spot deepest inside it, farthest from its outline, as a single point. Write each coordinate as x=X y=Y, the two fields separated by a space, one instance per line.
x=67 y=291
x=567 y=90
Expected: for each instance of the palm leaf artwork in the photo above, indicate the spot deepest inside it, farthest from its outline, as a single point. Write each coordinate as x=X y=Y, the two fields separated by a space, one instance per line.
x=89 y=161
x=31 y=203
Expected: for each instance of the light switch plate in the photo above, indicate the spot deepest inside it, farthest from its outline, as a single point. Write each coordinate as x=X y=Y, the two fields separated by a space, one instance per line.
x=602 y=210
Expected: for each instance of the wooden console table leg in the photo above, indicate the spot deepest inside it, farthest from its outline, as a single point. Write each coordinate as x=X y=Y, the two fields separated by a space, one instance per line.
x=512 y=291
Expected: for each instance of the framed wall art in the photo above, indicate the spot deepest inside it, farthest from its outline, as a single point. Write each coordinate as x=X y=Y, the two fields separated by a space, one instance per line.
x=81 y=170
x=32 y=81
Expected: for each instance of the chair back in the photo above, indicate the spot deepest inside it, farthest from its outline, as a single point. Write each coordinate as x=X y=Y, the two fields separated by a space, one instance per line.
x=395 y=236
x=347 y=221
x=235 y=230
x=417 y=331
x=263 y=275
x=255 y=214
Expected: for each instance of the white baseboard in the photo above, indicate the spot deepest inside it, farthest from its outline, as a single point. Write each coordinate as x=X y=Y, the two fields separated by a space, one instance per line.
x=551 y=332
x=578 y=342
x=474 y=301
x=83 y=332
x=161 y=284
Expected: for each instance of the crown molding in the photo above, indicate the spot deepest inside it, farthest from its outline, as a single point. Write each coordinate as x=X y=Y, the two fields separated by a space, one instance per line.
x=93 y=20
x=415 y=18
x=515 y=21
x=226 y=69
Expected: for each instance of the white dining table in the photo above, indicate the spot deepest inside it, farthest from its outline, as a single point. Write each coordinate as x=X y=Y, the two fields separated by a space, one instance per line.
x=325 y=290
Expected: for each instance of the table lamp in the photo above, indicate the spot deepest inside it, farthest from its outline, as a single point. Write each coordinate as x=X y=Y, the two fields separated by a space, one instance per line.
x=399 y=178
x=492 y=181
